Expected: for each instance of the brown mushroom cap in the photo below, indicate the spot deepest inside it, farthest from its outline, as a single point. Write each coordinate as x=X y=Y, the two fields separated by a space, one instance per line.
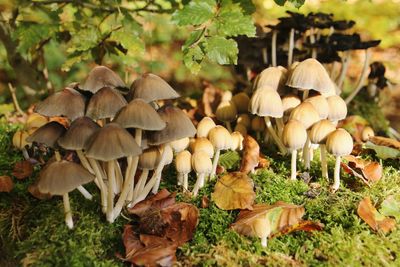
x=266 y=102
x=48 y=134
x=306 y=114
x=61 y=177
x=339 y=143
x=226 y=111
x=294 y=135
x=150 y=158
x=320 y=131
x=220 y=137
x=78 y=134
x=241 y=101
x=112 y=142
x=105 y=103
x=202 y=144
x=68 y=102
x=100 y=77
x=151 y=87
x=139 y=114
x=258 y=124
x=245 y=120
x=178 y=126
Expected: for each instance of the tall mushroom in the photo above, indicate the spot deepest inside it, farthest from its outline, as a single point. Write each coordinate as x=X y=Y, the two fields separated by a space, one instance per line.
x=202 y=165
x=183 y=164
x=221 y=140
x=204 y=127
x=337 y=109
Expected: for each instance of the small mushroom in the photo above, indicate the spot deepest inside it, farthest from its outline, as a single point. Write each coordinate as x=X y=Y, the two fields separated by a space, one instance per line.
x=35 y=120
x=245 y=120
x=339 y=143
x=202 y=165
x=221 y=140
x=241 y=101
x=101 y=76
x=226 y=112
x=272 y=78
x=183 y=164
x=202 y=143
x=241 y=129
x=367 y=133
x=180 y=144
x=19 y=142
x=204 y=127
x=337 y=109
x=237 y=141
x=320 y=104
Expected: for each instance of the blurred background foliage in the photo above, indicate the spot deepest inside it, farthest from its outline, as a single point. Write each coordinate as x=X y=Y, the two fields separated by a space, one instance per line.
x=47 y=44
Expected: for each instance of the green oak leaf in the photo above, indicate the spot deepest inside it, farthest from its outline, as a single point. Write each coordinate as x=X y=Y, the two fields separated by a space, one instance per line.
x=84 y=39
x=192 y=58
x=221 y=50
x=31 y=34
x=247 y=6
x=195 y=13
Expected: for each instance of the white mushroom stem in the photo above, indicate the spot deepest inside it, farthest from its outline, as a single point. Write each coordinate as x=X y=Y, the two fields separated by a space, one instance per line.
x=179 y=178
x=25 y=153
x=324 y=164
x=293 y=165
x=84 y=192
x=363 y=77
x=85 y=163
x=336 y=181
x=110 y=194
x=273 y=47
x=264 y=55
x=67 y=211
x=274 y=136
x=99 y=176
x=141 y=183
x=280 y=125
x=228 y=126
x=126 y=188
x=264 y=241
x=343 y=71
x=215 y=163
x=127 y=173
x=138 y=137
x=118 y=178
x=157 y=184
x=291 y=46
x=306 y=153
x=200 y=178
x=185 y=181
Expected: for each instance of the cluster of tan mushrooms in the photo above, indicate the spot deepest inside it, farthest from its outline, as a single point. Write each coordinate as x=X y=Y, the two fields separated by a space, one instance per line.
x=290 y=121
x=113 y=134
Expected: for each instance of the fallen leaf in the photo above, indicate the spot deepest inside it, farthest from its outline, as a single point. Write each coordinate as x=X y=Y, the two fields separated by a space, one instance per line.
x=373 y=218
x=251 y=154
x=385 y=148
x=22 y=169
x=229 y=160
x=306 y=226
x=385 y=141
x=158 y=201
x=131 y=241
x=373 y=171
x=205 y=202
x=6 y=184
x=351 y=171
x=368 y=171
x=391 y=207
x=234 y=191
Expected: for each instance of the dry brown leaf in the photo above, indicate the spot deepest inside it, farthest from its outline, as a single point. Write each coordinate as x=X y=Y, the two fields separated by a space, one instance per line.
x=306 y=226
x=234 y=191
x=384 y=141
x=22 y=169
x=263 y=162
x=160 y=200
x=373 y=171
x=373 y=218
x=251 y=154
x=6 y=184
x=205 y=202
x=367 y=171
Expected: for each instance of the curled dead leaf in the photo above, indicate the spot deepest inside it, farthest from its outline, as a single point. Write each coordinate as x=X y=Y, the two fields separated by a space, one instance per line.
x=6 y=184
x=234 y=191
x=251 y=154
x=367 y=171
x=22 y=169
x=373 y=218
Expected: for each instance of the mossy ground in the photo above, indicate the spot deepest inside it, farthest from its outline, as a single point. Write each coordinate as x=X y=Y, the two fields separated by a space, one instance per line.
x=33 y=231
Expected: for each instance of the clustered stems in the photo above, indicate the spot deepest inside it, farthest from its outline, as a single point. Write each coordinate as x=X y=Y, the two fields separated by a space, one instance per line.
x=306 y=154
x=110 y=194
x=274 y=136
x=343 y=71
x=199 y=183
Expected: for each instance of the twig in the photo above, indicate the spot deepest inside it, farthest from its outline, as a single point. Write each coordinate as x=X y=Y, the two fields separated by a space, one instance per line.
x=15 y=100
x=363 y=77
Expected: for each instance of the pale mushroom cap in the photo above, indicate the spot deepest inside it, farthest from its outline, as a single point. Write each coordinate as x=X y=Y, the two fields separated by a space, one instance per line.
x=226 y=96
x=61 y=177
x=204 y=127
x=272 y=77
x=294 y=135
x=112 y=142
x=220 y=137
x=151 y=87
x=35 y=120
x=258 y=124
x=203 y=144
x=78 y=134
x=245 y=120
x=139 y=114
x=337 y=108
x=306 y=114
x=241 y=129
x=201 y=163
x=68 y=102
x=180 y=144
x=367 y=133
x=320 y=104
x=289 y=102
x=169 y=154
x=320 y=131
x=101 y=76
x=183 y=162
x=178 y=126
x=105 y=103
x=237 y=141
x=310 y=75
x=48 y=134
x=226 y=111
x=150 y=158
x=241 y=101
x=266 y=102
x=339 y=143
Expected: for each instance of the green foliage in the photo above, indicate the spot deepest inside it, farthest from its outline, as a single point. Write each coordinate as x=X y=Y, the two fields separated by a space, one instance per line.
x=229 y=160
x=296 y=3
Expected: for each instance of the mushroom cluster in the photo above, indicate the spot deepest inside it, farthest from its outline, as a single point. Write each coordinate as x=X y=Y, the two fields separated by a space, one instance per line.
x=115 y=137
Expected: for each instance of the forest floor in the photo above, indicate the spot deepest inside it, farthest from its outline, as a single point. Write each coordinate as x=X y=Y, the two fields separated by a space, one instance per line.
x=33 y=232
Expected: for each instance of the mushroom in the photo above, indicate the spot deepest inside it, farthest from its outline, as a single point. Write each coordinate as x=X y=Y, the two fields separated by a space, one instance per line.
x=68 y=102
x=241 y=101
x=35 y=120
x=267 y=103
x=272 y=78
x=183 y=166
x=320 y=104
x=60 y=178
x=367 y=133
x=226 y=112
x=221 y=140
x=337 y=109
x=339 y=143
x=19 y=142
x=204 y=127
x=241 y=129
x=202 y=165
x=245 y=120
x=101 y=76
x=180 y=144
x=258 y=126
x=294 y=137
x=237 y=141
x=204 y=144
x=109 y=144
x=318 y=134
x=289 y=102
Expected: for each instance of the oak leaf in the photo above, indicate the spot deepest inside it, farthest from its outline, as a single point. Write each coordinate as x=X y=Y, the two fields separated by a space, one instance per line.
x=6 y=184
